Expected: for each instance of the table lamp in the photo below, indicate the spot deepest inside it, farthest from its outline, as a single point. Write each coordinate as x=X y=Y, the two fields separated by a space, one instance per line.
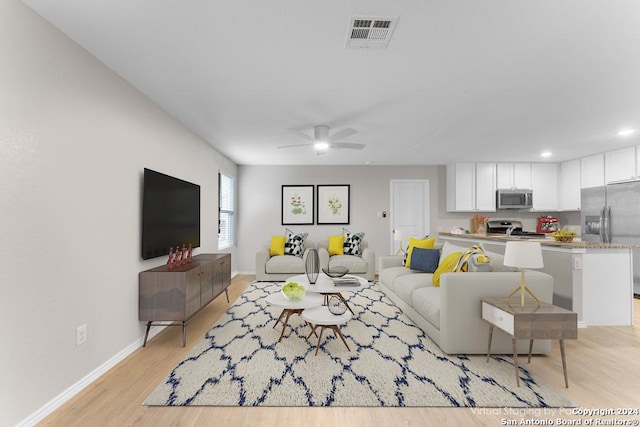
x=523 y=255
x=399 y=236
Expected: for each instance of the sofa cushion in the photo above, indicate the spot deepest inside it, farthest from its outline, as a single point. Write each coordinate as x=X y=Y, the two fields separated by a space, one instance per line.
x=426 y=302
x=389 y=275
x=336 y=245
x=277 y=245
x=406 y=284
x=285 y=264
x=355 y=264
x=447 y=264
x=474 y=259
x=425 y=260
x=353 y=243
x=416 y=243
x=295 y=243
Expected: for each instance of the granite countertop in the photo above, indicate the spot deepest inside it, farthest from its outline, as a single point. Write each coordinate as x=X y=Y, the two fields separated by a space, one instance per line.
x=544 y=242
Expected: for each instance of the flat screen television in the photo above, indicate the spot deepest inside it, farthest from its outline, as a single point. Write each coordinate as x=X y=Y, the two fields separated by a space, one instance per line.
x=170 y=214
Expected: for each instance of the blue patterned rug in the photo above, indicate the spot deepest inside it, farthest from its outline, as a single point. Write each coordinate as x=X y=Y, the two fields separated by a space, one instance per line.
x=392 y=362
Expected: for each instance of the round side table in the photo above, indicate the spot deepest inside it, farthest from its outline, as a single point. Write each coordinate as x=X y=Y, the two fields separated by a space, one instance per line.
x=321 y=317
x=291 y=307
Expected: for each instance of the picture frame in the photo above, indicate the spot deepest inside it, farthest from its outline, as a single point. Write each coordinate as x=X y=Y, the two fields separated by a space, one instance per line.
x=333 y=204
x=297 y=204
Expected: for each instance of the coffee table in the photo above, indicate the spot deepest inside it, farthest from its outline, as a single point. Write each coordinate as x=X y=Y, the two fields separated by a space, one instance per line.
x=321 y=317
x=325 y=286
x=291 y=307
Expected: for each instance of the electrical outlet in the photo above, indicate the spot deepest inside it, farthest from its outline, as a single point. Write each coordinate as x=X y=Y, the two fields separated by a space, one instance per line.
x=577 y=263
x=81 y=334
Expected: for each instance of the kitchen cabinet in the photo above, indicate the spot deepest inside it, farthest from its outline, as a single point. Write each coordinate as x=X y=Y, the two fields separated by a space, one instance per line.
x=569 y=199
x=592 y=171
x=620 y=165
x=513 y=175
x=544 y=183
x=471 y=187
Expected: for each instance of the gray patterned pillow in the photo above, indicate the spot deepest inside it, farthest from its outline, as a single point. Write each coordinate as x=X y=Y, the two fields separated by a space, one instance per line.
x=353 y=243
x=294 y=245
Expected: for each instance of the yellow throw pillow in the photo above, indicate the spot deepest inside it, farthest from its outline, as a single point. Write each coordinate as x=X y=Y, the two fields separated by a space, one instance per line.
x=446 y=266
x=336 y=245
x=277 y=245
x=417 y=243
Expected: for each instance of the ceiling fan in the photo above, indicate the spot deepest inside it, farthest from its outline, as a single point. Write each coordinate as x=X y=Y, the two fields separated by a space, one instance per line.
x=322 y=141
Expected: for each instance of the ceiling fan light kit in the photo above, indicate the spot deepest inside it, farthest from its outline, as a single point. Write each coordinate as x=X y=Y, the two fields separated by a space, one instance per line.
x=322 y=141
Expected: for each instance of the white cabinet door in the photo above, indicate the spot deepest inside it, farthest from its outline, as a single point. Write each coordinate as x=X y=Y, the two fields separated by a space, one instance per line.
x=592 y=171
x=461 y=185
x=513 y=175
x=569 y=199
x=522 y=175
x=471 y=187
x=485 y=187
x=620 y=165
x=544 y=183
x=504 y=175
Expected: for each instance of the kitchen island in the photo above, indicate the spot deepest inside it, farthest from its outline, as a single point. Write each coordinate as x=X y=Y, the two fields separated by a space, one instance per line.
x=594 y=280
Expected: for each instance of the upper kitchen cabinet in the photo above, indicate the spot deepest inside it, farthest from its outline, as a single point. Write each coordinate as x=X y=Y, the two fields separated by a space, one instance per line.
x=620 y=165
x=592 y=171
x=569 y=199
x=513 y=175
x=471 y=187
x=544 y=183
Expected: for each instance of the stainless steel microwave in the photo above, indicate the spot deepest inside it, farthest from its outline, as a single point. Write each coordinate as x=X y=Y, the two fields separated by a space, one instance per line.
x=514 y=199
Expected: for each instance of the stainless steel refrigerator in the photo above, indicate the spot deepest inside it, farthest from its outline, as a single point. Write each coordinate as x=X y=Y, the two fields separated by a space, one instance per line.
x=611 y=214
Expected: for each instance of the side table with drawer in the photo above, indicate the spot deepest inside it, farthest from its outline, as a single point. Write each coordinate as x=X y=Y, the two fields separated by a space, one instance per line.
x=533 y=321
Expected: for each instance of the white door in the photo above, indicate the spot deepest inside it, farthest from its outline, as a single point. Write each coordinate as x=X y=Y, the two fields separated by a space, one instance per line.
x=409 y=209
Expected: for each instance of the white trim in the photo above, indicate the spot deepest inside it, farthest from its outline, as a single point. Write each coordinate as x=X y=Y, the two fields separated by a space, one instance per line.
x=76 y=388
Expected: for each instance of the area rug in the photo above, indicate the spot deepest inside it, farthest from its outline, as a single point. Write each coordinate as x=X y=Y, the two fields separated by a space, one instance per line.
x=240 y=362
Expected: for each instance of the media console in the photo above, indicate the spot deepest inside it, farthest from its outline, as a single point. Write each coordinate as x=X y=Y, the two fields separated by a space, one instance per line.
x=177 y=295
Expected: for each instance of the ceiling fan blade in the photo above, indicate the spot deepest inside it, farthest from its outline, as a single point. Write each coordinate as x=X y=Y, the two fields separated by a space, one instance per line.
x=350 y=145
x=344 y=133
x=295 y=145
x=302 y=134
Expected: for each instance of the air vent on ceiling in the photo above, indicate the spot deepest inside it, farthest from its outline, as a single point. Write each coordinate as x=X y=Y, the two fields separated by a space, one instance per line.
x=369 y=32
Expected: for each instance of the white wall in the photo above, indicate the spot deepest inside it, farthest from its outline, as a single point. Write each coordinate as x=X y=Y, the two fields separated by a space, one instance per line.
x=259 y=202
x=74 y=139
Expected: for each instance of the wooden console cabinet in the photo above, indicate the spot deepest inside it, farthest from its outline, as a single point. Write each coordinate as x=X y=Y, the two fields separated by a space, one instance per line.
x=176 y=295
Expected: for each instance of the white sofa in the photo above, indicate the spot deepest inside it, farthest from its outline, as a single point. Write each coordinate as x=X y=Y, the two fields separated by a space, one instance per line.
x=363 y=266
x=451 y=314
x=279 y=268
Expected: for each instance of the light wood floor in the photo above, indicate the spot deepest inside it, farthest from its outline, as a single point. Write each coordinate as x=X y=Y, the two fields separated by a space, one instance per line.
x=603 y=364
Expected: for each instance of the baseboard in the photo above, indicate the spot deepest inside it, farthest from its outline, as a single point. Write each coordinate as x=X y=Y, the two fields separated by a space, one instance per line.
x=76 y=388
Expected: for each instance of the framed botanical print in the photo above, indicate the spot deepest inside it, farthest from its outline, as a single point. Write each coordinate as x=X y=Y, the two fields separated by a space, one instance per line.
x=333 y=204
x=297 y=204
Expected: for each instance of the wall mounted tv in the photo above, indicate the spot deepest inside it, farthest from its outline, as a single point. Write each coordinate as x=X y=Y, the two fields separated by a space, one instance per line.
x=170 y=214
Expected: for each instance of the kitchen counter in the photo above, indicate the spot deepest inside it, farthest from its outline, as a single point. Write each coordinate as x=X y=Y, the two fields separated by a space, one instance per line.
x=496 y=237
x=592 y=279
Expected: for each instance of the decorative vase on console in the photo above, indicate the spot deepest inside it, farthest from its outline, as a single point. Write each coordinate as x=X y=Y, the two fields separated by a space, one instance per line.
x=312 y=266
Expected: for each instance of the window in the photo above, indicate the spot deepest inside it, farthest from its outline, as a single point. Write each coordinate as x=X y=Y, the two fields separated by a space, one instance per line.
x=226 y=228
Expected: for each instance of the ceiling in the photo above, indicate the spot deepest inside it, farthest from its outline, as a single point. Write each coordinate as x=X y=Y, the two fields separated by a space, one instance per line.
x=495 y=80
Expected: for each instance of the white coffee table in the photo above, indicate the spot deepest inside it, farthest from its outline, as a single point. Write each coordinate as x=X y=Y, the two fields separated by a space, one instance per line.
x=292 y=307
x=325 y=286
x=323 y=318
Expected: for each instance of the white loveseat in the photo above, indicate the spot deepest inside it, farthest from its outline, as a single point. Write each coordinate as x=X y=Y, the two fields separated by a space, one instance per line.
x=279 y=268
x=451 y=314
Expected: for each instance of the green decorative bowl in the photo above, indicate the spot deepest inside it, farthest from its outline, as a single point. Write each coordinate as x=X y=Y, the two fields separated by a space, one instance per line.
x=293 y=291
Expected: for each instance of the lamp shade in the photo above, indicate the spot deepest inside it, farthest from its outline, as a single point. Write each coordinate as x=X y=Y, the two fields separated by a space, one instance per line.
x=399 y=235
x=523 y=255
